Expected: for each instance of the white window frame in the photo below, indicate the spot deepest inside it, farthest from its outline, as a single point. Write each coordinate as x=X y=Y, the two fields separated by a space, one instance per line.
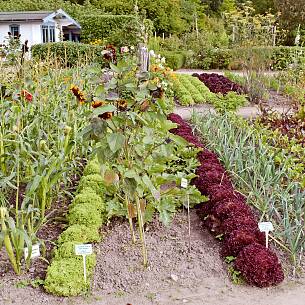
x=48 y=32
x=14 y=26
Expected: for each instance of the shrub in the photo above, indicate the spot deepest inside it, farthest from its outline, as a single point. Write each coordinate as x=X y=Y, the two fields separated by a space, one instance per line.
x=120 y=30
x=89 y=197
x=80 y=233
x=66 y=250
x=175 y=60
x=68 y=52
x=66 y=276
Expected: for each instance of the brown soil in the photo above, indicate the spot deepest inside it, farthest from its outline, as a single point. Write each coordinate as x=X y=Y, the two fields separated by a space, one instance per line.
x=174 y=275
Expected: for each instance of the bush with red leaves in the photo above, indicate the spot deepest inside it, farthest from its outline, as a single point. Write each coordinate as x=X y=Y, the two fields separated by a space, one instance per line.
x=227 y=213
x=219 y=84
x=259 y=266
x=239 y=239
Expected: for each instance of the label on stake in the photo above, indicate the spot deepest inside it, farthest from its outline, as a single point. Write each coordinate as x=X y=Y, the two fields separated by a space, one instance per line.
x=184 y=183
x=35 y=251
x=84 y=249
x=266 y=227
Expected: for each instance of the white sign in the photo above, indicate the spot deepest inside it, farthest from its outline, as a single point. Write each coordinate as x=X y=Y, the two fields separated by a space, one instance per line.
x=83 y=249
x=266 y=227
x=35 y=251
x=184 y=183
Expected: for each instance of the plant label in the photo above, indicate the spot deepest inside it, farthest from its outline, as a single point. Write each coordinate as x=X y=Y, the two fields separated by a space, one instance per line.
x=184 y=183
x=35 y=251
x=265 y=226
x=83 y=249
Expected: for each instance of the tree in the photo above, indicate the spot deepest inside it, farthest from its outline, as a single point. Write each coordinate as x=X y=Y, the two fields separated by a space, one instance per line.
x=292 y=12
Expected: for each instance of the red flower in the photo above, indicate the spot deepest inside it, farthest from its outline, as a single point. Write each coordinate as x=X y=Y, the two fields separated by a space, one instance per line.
x=27 y=95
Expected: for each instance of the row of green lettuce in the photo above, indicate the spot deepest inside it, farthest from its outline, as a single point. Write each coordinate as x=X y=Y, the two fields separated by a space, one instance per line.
x=87 y=213
x=190 y=90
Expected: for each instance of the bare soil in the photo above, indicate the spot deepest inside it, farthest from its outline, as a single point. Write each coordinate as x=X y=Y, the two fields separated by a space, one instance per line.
x=175 y=275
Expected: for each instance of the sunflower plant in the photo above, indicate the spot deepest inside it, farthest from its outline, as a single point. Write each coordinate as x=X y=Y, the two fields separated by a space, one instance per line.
x=136 y=150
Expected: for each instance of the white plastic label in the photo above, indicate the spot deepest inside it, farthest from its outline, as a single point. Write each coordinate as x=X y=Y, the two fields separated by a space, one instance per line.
x=265 y=226
x=83 y=249
x=184 y=183
x=35 y=251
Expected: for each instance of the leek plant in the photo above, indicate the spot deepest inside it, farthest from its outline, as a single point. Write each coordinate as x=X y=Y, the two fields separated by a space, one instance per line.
x=267 y=185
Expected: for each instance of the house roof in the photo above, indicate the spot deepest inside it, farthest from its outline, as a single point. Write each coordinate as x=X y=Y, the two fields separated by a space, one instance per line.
x=24 y=16
x=45 y=16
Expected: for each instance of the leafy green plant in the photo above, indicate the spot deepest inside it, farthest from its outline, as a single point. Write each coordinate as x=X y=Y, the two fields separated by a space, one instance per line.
x=66 y=278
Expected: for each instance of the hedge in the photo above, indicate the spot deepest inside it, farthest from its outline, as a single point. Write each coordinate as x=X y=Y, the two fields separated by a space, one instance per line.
x=120 y=30
x=174 y=60
x=70 y=53
x=276 y=58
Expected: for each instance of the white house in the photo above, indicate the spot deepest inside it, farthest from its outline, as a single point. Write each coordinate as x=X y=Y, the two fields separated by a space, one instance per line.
x=39 y=26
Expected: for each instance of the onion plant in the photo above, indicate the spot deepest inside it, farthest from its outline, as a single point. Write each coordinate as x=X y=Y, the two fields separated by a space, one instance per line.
x=266 y=184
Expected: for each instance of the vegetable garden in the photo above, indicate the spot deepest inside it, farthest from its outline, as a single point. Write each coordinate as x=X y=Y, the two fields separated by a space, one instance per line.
x=107 y=194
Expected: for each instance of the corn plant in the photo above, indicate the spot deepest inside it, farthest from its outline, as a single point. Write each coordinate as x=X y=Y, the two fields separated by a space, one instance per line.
x=41 y=147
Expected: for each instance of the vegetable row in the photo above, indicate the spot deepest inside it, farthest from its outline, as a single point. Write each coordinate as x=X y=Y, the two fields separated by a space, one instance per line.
x=228 y=214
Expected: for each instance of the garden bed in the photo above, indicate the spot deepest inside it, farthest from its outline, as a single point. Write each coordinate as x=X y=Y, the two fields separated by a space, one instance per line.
x=200 y=277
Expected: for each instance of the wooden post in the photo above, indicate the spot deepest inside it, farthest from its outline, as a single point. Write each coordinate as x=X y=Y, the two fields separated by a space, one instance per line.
x=196 y=26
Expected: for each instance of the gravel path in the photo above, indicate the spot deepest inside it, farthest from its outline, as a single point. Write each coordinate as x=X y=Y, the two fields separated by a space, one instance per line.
x=222 y=72
x=246 y=112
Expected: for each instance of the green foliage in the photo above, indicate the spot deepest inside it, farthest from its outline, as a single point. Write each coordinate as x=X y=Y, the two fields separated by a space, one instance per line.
x=94 y=182
x=275 y=58
x=65 y=277
x=190 y=90
x=174 y=59
x=80 y=233
x=65 y=250
x=119 y=30
x=68 y=52
x=93 y=167
x=88 y=196
x=85 y=214
x=230 y=102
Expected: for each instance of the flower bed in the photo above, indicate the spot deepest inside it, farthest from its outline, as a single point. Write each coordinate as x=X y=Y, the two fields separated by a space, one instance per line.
x=228 y=214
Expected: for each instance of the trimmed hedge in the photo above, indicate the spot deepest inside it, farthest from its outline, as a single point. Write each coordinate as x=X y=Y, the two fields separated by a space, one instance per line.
x=120 y=30
x=277 y=58
x=174 y=60
x=70 y=53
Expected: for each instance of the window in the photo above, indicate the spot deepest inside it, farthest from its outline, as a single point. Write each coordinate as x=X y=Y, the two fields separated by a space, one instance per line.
x=48 y=33
x=15 y=30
